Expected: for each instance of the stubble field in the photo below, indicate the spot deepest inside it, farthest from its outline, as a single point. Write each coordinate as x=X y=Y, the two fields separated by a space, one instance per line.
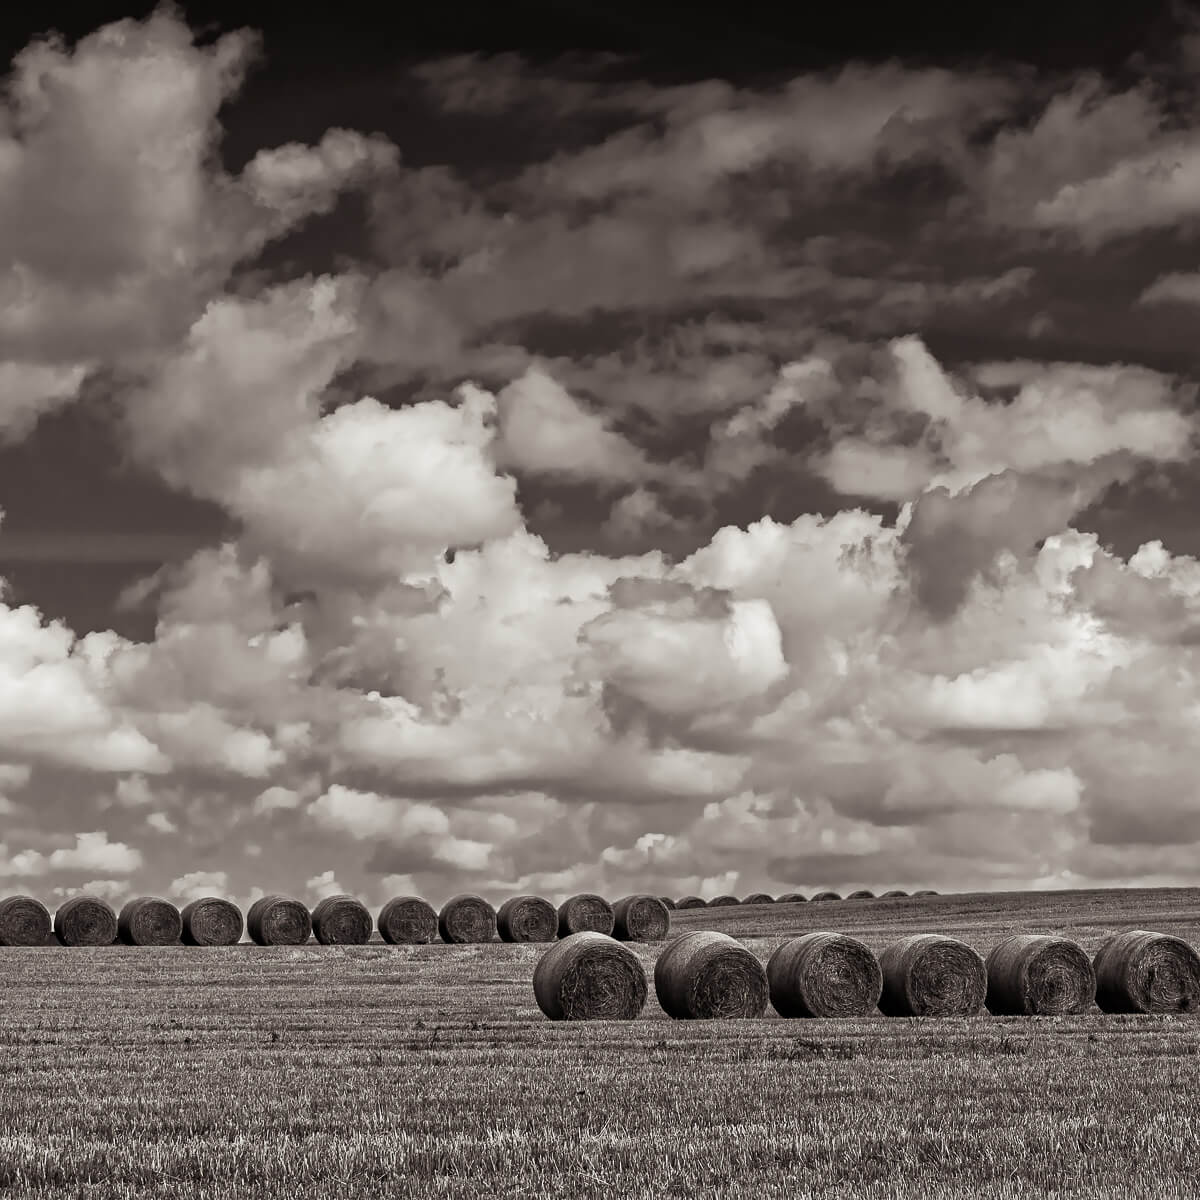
x=375 y=1071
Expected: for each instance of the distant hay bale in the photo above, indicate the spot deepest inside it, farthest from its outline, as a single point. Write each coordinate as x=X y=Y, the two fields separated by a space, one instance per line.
x=1145 y=972
x=759 y=898
x=708 y=975
x=527 y=919
x=585 y=913
x=467 y=918
x=149 y=921
x=342 y=921
x=894 y=894
x=824 y=897
x=641 y=919
x=212 y=921
x=667 y=901
x=791 y=898
x=928 y=975
x=690 y=902
x=861 y=894
x=1030 y=974
x=824 y=975
x=723 y=901
x=278 y=921
x=925 y=892
x=85 y=921
x=408 y=921
x=590 y=976
x=24 y=921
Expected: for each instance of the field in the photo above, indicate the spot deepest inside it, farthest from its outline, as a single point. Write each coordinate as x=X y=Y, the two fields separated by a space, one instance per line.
x=428 y=1071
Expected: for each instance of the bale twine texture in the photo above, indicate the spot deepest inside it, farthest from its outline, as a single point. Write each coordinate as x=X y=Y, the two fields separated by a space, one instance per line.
x=585 y=914
x=708 y=975
x=723 y=901
x=85 y=921
x=467 y=918
x=1032 y=974
x=590 y=976
x=527 y=919
x=408 y=921
x=1145 y=972
x=792 y=898
x=342 y=921
x=278 y=921
x=690 y=902
x=24 y=921
x=824 y=975
x=641 y=919
x=149 y=921
x=824 y=897
x=212 y=921
x=928 y=975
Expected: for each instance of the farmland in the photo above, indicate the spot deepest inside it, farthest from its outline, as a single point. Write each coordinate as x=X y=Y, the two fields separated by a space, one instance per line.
x=373 y=1070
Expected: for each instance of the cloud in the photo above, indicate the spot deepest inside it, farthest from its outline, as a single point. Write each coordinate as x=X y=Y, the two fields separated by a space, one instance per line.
x=1174 y=287
x=196 y=884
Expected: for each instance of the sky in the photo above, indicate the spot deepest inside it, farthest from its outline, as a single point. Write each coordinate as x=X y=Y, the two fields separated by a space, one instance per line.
x=609 y=448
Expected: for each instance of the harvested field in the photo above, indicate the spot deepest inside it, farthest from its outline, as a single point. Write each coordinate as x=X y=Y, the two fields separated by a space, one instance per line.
x=358 y=1071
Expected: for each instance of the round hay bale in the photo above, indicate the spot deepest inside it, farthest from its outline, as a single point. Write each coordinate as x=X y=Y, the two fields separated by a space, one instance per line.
x=467 y=918
x=824 y=897
x=824 y=975
x=723 y=901
x=527 y=919
x=24 y=921
x=212 y=921
x=792 y=898
x=759 y=898
x=408 y=921
x=928 y=975
x=708 y=975
x=861 y=894
x=590 y=976
x=1144 y=972
x=690 y=902
x=85 y=921
x=342 y=921
x=667 y=901
x=585 y=913
x=925 y=892
x=278 y=921
x=641 y=919
x=894 y=894
x=149 y=921
x=1030 y=974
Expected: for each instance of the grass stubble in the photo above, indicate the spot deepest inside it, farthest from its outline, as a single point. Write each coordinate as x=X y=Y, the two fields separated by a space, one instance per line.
x=428 y=1070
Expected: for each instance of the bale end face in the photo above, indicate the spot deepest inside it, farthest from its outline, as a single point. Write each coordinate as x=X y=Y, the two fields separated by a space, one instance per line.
x=1032 y=974
x=341 y=921
x=928 y=975
x=467 y=918
x=149 y=921
x=1145 y=972
x=586 y=913
x=85 y=921
x=824 y=975
x=527 y=919
x=408 y=921
x=590 y=977
x=24 y=921
x=708 y=975
x=279 y=921
x=641 y=919
x=211 y=921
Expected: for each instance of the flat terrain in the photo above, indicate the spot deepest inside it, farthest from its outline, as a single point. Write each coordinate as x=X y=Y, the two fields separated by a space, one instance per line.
x=379 y=1071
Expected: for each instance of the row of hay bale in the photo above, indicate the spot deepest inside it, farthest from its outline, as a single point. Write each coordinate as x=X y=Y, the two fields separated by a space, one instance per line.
x=276 y=920
x=686 y=902
x=710 y=975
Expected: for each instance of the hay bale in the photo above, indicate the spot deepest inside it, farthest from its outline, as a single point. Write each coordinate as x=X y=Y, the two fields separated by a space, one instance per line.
x=342 y=921
x=1145 y=972
x=668 y=902
x=925 y=892
x=149 y=921
x=212 y=921
x=527 y=919
x=24 y=921
x=861 y=894
x=1030 y=974
x=278 y=921
x=585 y=913
x=894 y=894
x=408 y=921
x=690 y=902
x=824 y=897
x=467 y=918
x=641 y=919
x=723 y=901
x=928 y=975
x=708 y=975
x=792 y=898
x=759 y=898
x=85 y=921
x=590 y=976
x=824 y=975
